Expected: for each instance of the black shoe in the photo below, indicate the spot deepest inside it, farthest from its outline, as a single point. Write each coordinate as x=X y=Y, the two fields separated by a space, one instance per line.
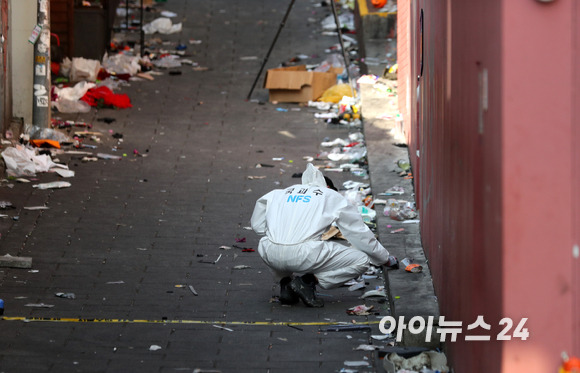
x=306 y=292
x=287 y=296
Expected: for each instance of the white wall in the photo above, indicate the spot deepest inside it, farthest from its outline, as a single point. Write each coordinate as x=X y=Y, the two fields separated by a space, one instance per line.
x=22 y=21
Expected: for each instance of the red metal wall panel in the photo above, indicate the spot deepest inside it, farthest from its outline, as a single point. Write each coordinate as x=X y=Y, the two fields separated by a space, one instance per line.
x=457 y=187
x=576 y=180
x=486 y=126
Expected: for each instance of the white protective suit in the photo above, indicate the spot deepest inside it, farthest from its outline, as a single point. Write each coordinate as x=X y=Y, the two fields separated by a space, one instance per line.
x=294 y=219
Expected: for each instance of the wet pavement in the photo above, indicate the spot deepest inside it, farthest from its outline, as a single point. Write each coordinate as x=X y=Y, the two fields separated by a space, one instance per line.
x=130 y=236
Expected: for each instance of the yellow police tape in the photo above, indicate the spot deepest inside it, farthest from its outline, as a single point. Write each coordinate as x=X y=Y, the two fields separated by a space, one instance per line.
x=202 y=322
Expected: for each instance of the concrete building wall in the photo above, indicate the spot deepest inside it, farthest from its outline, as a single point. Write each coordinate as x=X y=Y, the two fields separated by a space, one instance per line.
x=22 y=21
x=488 y=120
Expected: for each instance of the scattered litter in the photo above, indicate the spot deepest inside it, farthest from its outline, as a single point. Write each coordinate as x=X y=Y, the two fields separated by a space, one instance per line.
x=65 y=295
x=360 y=310
x=10 y=261
x=53 y=185
x=256 y=177
x=364 y=347
x=64 y=173
x=109 y=156
x=357 y=286
x=260 y=165
x=6 y=205
x=320 y=105
x=225 y=247
x=242 y=266
x=396 y=190
x=287 y=134
x=410 y=266
x=381 y=337
x=400 y=210
x=209 y=262
x=162 y=25
x=356 y=363
x=345 y=328
x=115 y=282
x=39 y=305
x=168 y=61
x=33 y=208
x=398 y=230
x=168 y=14
x=224 y=328
x=192 y=289
x=23 y=161
x=427 y=361
x=374 y=293
x=243 y=239
x=403 y=164
x=248 y=58
x=154 y=348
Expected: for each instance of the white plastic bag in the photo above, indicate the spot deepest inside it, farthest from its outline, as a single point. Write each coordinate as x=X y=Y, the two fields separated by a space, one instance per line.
x=68 y=98
x=23 y=161
x=121 y=64
x=162 y=25
x=84 y=69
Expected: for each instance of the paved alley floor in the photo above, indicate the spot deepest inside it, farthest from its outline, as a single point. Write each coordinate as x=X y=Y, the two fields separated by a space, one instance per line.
x=130 y=236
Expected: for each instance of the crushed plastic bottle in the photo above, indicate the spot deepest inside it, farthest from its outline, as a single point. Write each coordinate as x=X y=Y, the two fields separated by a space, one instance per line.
x=403 y=164
x=400 y=210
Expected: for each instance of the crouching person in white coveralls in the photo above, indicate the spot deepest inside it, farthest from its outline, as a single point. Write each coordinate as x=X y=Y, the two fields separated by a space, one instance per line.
x=293 y=221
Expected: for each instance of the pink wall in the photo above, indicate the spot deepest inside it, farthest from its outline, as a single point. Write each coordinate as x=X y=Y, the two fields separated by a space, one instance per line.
x=494 y=177
x=576 y=175
x=537 y=209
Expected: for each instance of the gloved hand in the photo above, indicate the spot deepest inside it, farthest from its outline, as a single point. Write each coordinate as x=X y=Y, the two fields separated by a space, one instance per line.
x=392 y=262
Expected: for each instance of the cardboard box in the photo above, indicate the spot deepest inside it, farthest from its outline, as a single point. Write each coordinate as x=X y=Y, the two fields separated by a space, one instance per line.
x=297 y=84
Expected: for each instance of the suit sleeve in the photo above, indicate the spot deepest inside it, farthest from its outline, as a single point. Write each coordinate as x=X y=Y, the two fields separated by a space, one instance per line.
x=356 y=232
x=258 y=220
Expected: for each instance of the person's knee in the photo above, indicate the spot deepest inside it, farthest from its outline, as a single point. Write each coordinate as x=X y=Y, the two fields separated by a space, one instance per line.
x=363 y=264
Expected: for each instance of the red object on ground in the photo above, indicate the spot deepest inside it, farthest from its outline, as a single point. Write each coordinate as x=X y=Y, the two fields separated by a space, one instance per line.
x=379 y=3
x=45 y=143
x=108 y=98
x=572 y=365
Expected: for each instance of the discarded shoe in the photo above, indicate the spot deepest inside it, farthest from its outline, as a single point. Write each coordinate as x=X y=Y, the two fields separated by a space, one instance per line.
x=306 y=292
x=287 y=295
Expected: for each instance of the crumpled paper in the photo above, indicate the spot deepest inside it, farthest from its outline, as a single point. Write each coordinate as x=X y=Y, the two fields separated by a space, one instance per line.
x=23 y=161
